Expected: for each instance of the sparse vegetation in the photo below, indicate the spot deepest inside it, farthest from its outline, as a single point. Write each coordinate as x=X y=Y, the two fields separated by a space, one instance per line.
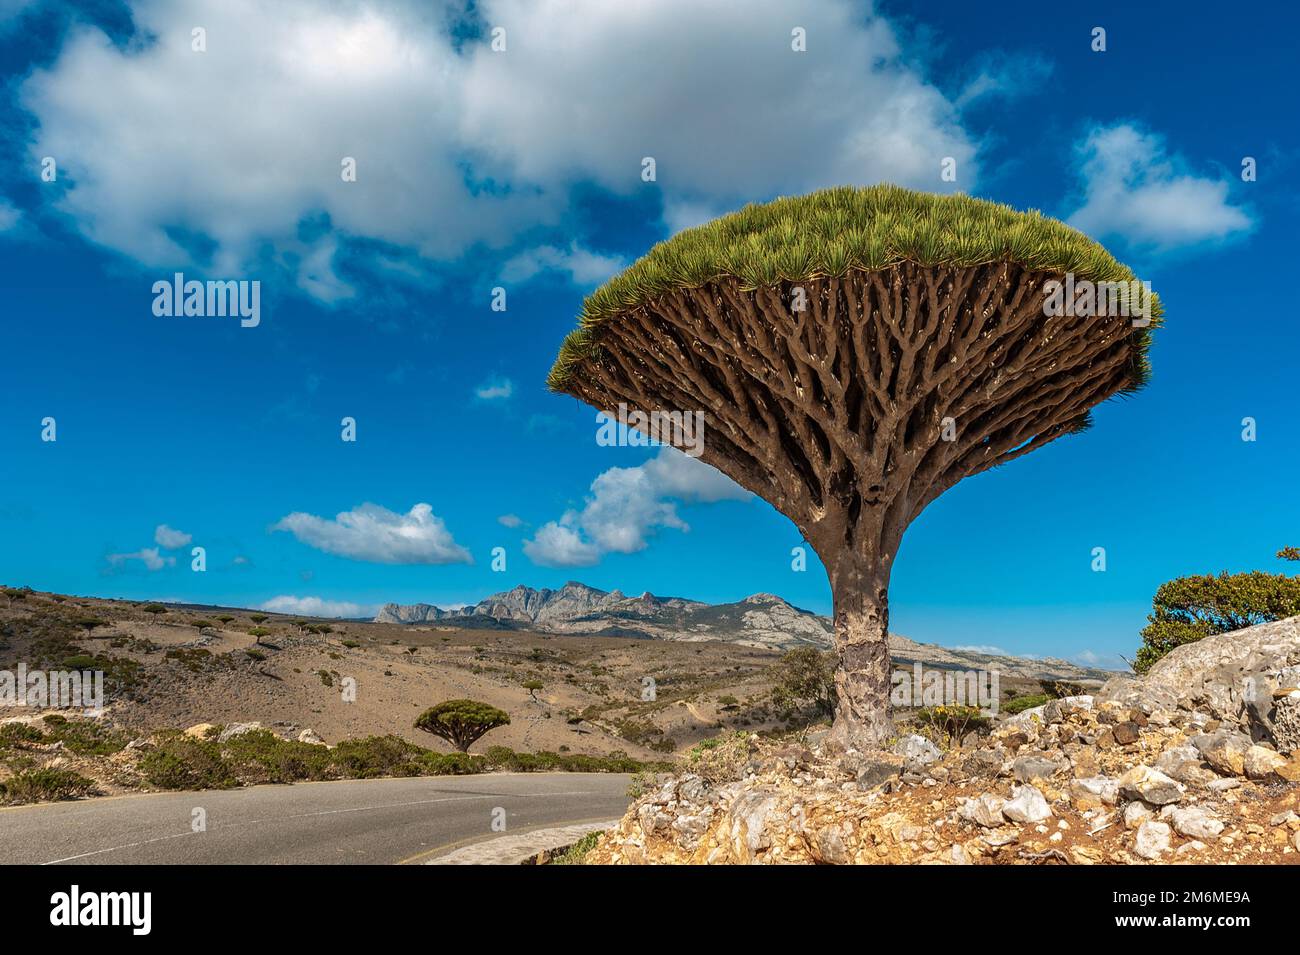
x=39 y=785
x=805 y=677
x=1021 y=703
x=576 y=852
x=949 y=725
x=722 y=758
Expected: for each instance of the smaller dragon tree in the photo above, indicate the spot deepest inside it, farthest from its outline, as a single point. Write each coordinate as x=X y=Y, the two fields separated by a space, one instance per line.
x=855 y=353
x=461 y=722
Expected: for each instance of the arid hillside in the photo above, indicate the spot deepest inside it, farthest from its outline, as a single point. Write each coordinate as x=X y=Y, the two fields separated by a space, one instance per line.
x=172 y=666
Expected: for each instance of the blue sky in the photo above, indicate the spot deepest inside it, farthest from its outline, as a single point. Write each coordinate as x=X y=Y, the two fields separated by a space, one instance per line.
x=521 y=169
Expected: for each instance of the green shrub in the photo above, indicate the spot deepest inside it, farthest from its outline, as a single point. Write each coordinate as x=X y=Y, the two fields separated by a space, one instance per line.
x=20 y=733
x=260 y=756
x=1022 y=703
x=578 y=851
x=381 y=756
x=1188 y=609
x=36 y=785
x=803 y=677
x=180 y=762
x=948 y=724
x=84 y=737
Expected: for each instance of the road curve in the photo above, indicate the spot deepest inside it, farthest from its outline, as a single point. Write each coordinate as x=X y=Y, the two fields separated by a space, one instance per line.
x=369 y=821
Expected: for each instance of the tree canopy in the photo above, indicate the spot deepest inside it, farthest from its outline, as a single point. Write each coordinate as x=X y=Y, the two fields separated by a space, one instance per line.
x=461 y=722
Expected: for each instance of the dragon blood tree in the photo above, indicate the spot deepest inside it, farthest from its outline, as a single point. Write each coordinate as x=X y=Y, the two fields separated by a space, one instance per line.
x=857 y=352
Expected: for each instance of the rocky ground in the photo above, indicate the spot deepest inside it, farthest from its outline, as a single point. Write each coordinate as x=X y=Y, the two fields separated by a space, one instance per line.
x=1197 y=762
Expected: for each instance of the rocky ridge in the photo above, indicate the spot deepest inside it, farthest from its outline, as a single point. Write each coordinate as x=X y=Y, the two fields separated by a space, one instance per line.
x=761 y=621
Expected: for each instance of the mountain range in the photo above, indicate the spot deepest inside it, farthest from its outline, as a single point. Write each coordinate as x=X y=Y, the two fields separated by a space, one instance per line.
x=761 y=620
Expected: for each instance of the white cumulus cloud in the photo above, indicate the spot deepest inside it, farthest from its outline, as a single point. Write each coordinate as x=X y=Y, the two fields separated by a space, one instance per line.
x=626 y=506
x=1135 y=190
x=463 y=148
x=495 y=389
x=170 y=538
x=149 y=556
x=315 y=607
x=373 y=533
x=583 y=266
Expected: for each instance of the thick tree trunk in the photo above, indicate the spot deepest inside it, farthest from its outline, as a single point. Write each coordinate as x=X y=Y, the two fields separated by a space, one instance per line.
x=862 y=677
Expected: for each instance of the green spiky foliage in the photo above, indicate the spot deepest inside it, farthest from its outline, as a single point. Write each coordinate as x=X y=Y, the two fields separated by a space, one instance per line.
x=461 y=722
x=831 y=232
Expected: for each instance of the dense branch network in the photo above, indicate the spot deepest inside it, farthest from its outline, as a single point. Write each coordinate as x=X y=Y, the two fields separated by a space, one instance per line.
x=835 y=412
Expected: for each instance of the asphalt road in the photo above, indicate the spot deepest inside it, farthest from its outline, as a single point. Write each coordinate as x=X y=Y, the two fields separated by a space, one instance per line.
x=373 y=821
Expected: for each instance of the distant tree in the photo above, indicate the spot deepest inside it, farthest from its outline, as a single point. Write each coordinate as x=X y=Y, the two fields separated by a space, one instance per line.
x=89 y=624
x=225 y=618
x=257 y=617
x=259 y=633
x=1191 y=608
x=532 y=686
x=805 y=676
x=461 y=722
x=154 y=609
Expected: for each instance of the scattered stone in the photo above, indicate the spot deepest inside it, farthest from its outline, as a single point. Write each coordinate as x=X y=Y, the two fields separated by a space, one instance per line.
x=1196 y=822
x=1104 y=789
x=1152 y=839
x=1027 y=805
x=1057 y=711
x=1136 y=813
x=1126 y=733
x=1286 y=721
x=830 y=846
x=877 y=769
x=1223 y=785
x=1035 y=766
x=309 y=736
x=985 y=810
x=1225 y=751
x=1283 y=818
x=1260 y=762
x=917 y=750
x=238 y=729
x=1150 y=785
